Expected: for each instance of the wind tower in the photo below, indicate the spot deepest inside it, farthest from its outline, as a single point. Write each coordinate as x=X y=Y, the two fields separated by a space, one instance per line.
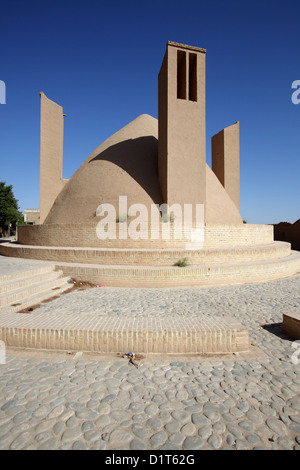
x=181 y=128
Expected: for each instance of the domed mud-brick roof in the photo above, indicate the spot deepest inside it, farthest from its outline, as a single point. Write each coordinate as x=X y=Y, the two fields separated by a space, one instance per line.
x=124 y=165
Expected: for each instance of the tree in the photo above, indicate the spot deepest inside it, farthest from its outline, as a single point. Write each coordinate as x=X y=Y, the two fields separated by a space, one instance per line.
x=9 y=209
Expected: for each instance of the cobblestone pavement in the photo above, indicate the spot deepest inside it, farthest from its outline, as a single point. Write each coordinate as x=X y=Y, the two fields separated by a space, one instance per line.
x=51 y=402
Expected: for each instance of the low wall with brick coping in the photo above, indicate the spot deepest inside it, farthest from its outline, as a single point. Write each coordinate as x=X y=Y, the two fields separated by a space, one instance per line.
x=154 y=276
x=112 y=335
x=148 y=257
x=80 y=235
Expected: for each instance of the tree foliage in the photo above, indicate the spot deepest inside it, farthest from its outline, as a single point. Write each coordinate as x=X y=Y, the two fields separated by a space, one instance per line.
x=9 y=208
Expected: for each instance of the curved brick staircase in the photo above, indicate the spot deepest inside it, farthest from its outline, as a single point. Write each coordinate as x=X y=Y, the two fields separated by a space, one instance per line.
x=127 y=267
x=143 y=267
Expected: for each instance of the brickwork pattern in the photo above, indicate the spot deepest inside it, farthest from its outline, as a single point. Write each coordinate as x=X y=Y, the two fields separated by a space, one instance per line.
x=170 y=276
x=81 y=235
x=113 y=335
x=147 y=257
x=125 y=276
x=17 y=286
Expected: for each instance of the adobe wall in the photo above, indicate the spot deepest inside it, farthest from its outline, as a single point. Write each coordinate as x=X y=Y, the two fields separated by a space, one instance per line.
x=284 y=231
x=226 y=160
x=51 y=154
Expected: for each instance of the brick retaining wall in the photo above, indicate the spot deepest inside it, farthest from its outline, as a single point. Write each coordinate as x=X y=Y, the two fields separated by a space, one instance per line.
x=80 y=235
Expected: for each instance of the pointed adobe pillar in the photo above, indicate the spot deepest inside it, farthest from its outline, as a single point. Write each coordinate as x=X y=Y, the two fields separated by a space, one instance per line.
x=226 y=160
x=181 y=129
x=51 y=154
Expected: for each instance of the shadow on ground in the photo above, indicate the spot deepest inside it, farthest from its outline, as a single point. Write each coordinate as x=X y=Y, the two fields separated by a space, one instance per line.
x=277 y=330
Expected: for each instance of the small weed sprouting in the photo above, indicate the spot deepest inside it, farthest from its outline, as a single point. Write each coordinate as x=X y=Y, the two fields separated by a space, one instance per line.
x=168 y=218
x=182 y=263
x=122 y=218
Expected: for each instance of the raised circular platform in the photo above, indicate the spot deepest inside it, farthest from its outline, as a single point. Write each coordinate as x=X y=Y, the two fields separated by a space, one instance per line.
x=149 y=257
x=85 y=236
x=154 y=268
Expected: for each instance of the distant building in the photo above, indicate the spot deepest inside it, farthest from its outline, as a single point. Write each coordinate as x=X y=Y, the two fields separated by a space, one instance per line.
x=286 y=232
x=32 y=216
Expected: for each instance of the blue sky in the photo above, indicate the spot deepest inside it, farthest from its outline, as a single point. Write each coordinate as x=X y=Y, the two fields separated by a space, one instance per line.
x=100 y=61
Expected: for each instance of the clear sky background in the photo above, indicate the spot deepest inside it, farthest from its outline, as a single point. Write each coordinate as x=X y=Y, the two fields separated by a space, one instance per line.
x=100 y=61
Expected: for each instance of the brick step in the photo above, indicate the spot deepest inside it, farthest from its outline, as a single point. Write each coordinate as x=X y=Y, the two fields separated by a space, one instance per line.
x=39 y=298
x=27 y=280
x=149 y=257
x=154 y=276
x=25 y=292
